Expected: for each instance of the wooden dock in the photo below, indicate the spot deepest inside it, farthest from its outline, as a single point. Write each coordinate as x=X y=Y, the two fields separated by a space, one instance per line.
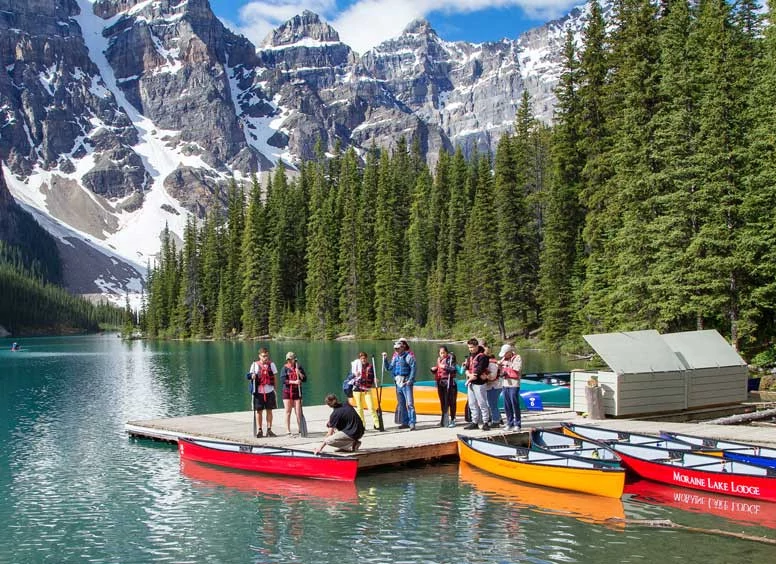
x=427 y=443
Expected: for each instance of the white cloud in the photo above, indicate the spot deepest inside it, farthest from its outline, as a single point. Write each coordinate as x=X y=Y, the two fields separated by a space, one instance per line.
x=364 y=24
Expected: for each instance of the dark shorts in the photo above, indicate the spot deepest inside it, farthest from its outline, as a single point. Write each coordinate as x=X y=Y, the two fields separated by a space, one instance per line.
x=264 y=401
x=292 y=394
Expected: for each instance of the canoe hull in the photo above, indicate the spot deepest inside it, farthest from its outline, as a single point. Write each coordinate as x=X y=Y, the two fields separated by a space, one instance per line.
x=714 y=479
x=607 y=482
x=749 y=512
x=253 y=458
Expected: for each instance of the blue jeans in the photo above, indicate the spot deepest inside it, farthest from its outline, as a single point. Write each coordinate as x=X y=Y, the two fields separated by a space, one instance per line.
x=492 y=395
x=512 y=406
x=406 y=400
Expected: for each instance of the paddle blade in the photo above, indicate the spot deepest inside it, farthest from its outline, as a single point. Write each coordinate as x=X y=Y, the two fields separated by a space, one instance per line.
x=380 y=424
x=302 y=426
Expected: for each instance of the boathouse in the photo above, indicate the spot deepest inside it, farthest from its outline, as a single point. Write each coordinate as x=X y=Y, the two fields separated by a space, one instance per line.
x=650 y=373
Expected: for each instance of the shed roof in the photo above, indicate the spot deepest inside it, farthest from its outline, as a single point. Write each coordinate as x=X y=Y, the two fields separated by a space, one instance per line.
x=634 y=352
x=703 y=349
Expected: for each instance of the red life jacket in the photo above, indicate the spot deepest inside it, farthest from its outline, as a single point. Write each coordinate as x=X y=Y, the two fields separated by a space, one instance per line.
x=442 y=366
x=367 y=378
x=510 y=373
x=266 y=377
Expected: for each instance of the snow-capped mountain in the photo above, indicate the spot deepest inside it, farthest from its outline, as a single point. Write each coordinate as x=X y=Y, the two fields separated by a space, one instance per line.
x=121 y=116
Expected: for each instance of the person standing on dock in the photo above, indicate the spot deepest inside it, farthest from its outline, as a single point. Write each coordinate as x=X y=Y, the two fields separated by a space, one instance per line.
x=402 y=366
x=364 y=375
x=511 y=364
x=444 y=373
x=291 y=377
x=493 y=387
x=263 y=372
x=476 y=371
x=345 y=426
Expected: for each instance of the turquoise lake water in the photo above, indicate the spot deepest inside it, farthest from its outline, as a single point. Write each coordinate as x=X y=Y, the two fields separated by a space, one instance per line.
x=75 y=488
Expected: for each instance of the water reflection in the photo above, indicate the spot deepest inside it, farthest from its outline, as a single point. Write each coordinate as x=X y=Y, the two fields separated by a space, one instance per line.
x=290 y=489
x=587 y=508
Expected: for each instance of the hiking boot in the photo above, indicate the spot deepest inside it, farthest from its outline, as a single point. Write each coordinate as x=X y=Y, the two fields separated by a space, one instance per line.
x=259 y=434
x=485 y=427
x=270 y=433
x=471 y=427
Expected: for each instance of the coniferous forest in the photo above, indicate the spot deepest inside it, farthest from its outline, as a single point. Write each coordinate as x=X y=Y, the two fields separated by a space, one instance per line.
x=649 y=204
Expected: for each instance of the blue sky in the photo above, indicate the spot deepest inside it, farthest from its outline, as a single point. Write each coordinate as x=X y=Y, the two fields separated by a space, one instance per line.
x=362 y=24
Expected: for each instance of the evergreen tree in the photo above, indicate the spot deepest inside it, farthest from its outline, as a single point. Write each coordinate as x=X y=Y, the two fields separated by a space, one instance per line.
x=354 y=219
x=322 y=296
x=758 y=208
x=716 y=268
x=420 y=232
x=439 y=218
x=560 y=269
x=254 y=253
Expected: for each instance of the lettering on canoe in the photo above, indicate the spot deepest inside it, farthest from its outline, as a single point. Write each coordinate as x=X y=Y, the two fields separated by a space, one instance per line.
x=717 y=485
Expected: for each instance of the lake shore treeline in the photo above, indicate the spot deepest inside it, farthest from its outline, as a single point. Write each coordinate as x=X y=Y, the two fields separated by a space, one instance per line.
x=648 y=204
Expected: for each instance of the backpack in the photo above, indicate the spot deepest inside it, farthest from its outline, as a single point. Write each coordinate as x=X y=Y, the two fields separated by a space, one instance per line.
x=347 y=385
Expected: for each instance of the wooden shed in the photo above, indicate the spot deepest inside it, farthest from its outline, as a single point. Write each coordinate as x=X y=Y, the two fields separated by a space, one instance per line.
x=653 y=373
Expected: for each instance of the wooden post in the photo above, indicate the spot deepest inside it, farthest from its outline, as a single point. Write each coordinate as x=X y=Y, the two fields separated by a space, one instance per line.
x=594 y=395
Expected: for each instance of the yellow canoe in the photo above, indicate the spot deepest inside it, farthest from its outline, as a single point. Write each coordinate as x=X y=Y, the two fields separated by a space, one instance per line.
x=426 y=400
x=545 y=500
x=542 y=468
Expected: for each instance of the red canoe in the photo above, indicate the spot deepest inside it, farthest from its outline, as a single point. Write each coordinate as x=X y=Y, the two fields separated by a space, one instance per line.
x=690 y=469
x=749 y=512
x=269 y=460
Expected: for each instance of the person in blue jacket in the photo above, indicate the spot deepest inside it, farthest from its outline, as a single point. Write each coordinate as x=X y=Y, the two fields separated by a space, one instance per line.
x=402 y=366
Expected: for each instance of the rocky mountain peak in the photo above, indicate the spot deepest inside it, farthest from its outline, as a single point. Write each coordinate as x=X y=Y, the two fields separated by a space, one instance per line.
x=307 y=25
x=419 y=26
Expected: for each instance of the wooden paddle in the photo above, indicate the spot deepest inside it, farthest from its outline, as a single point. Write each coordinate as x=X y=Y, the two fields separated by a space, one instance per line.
x=380 y=425
x=253 y=411
x=302 y=421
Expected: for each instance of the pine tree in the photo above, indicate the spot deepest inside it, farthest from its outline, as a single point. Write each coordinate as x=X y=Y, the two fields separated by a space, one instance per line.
x=716 y=268
x=322 y=296
x=388 y=256
x=354 y=219
x=255 y=305
x=758 y=208
x=560 y=268
x=366 y=243
x=439 y=217
x=420 y=233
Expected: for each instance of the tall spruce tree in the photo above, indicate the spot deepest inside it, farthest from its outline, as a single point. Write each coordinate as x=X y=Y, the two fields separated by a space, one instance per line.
x=420 y=232
x=353 y=219
x=758 y=208
x=322 y=288
x=716 y=269
x=254 y=260
x=560 y=275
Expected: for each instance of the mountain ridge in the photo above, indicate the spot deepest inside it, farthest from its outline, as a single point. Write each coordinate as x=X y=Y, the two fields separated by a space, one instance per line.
x=143 y=111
